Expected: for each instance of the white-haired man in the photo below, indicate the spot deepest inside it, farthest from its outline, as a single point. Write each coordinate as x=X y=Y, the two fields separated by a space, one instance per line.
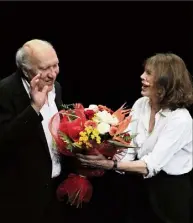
x=30 y=168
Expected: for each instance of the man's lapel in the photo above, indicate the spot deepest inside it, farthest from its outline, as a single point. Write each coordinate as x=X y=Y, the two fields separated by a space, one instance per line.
x=22 y=101
x=58 y=99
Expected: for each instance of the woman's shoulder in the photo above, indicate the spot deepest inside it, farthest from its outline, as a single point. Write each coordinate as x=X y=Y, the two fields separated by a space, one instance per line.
x=180 y=121
x=181 y=113
x=181 y=118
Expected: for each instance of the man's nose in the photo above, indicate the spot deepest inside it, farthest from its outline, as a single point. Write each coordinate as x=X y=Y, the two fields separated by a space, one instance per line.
x=51 y=72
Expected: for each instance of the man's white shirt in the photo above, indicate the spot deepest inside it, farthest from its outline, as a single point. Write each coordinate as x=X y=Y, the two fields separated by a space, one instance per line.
x=47 y=111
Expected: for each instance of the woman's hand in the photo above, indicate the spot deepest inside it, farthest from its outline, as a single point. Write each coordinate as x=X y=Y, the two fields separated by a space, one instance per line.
x=100 y=161
x=97 y=161
x=91 y=157
x=121 y=153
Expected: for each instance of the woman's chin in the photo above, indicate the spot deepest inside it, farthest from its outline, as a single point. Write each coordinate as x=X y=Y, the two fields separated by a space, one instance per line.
x=144 y=93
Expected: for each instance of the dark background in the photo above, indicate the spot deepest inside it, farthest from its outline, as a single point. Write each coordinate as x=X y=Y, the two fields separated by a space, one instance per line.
x=101 y=47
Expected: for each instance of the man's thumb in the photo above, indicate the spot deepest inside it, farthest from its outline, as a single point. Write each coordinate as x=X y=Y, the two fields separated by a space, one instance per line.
x=45 y=89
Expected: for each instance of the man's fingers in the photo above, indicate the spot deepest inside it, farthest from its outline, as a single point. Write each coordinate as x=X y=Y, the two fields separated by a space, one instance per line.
x=36 y=77
x=34 y=81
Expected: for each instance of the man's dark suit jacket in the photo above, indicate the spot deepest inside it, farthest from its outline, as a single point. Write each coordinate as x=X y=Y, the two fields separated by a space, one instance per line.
x=25 y=164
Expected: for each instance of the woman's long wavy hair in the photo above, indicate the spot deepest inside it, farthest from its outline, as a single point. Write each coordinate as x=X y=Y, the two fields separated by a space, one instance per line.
x=172 y=80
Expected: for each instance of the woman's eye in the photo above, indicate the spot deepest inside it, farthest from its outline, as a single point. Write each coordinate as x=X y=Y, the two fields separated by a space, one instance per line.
x=148 y=72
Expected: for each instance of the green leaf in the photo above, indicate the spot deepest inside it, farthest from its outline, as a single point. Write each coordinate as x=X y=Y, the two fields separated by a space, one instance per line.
x=133 y=136
x=116 y=143
x=67 y=140
x=76 y=146
x=71 y=116
x=68 y=106
x=53 y=143
x=64 y=137
x=123 y=133
x=70 y=147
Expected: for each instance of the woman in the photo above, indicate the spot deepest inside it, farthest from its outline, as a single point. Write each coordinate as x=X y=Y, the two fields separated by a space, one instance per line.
x=164 y=128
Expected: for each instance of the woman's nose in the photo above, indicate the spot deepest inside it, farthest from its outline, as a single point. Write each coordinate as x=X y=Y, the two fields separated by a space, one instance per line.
x=143 y=76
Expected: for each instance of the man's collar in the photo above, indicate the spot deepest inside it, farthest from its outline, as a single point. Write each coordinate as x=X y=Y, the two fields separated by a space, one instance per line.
x=27 y=88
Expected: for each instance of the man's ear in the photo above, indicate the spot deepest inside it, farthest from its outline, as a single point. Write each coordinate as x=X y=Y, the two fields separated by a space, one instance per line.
x=25 y=73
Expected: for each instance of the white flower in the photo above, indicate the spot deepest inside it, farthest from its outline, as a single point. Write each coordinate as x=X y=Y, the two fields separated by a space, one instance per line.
x=93 y=107
x=103 y=128
x=104 y=116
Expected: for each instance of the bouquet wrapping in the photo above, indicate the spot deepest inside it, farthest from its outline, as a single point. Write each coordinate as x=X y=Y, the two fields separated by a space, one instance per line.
x=91 y=131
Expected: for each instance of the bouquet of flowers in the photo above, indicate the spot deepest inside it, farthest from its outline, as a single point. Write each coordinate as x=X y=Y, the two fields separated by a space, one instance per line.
x=91 y=131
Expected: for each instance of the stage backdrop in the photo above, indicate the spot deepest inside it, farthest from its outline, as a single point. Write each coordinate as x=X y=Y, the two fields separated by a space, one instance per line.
x=101 y=45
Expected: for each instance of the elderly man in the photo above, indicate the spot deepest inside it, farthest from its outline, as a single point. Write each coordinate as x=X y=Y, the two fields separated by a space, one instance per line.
x=30 y=168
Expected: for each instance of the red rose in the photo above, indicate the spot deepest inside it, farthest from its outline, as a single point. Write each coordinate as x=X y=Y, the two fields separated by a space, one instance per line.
x=89 y=113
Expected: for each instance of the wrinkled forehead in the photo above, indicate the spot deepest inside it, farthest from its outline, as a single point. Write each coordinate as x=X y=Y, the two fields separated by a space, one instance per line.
x=43 y=57
x=46 y=59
